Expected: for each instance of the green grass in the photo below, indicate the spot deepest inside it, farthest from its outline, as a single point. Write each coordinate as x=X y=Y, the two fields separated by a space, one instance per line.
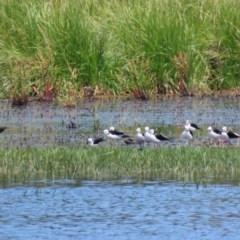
x=118 y=46
x=198 y=164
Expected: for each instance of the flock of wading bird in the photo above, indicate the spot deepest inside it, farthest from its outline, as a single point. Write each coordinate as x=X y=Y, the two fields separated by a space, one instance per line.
x=149 y=137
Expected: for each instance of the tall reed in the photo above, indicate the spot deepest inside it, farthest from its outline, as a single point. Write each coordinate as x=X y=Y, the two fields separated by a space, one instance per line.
x=199 y=164
x=164 y=46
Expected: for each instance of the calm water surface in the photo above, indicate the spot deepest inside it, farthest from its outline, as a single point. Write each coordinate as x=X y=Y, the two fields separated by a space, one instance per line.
x=119 y=210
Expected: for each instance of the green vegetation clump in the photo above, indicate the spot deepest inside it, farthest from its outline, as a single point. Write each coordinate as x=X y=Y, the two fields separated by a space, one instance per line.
x=55 y=48
x=199 y=164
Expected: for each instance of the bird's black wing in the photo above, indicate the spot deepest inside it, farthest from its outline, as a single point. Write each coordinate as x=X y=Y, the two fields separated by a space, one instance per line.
x=116 y=132
x=232 y=135
x=98 y=140
x=217 y=131
x=195 y=125
x=2 y=129
x=161 y=137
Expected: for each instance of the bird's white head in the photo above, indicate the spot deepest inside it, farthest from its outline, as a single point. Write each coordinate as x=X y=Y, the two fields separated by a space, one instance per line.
x=90 y=141
x=146 y=129
x=209 y=129
x=224 y=129
x=106 y=132
x=138 y=130
x=151 y=131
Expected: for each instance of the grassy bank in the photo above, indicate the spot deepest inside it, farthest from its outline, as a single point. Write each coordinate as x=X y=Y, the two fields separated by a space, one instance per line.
x=197 y=164
x=55 y=48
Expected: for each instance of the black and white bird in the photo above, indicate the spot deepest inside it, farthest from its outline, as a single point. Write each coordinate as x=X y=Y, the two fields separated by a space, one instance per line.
x=140 y=139
x=112 y=134
x=114 y=131
x=158 y=136
x=147 y=135
x=187 y=134
x=226 y=135
x=95 y=142
x=191 y=126
x=151 y=137
x=214 y=133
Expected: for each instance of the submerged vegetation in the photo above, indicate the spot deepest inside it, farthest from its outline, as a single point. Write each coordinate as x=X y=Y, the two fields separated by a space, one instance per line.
x=198 y=164
x=56 y=48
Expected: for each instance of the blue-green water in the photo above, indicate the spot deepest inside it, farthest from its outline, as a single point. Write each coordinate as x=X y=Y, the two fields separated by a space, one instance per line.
x=69 y=209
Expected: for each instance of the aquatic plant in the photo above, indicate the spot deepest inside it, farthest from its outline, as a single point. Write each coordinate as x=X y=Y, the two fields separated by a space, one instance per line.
x=199 y=164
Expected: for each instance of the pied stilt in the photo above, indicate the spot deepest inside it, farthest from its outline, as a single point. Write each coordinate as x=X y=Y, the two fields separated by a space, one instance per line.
x=191 y=126
x=228 y=135
x=113 y=131
x=152 y=137
x=147 y=135
x=94 y=142
x=115 y=135
x=112 y=134
x=214 y=133
x=187 y=134
x=158 y=136
x=139 y=136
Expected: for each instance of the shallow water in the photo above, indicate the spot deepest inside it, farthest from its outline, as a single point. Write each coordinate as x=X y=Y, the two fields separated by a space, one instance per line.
x=40 y=123
x=71 y=209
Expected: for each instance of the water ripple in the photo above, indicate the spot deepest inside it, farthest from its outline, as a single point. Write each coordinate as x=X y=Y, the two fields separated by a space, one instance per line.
x=105 y=210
